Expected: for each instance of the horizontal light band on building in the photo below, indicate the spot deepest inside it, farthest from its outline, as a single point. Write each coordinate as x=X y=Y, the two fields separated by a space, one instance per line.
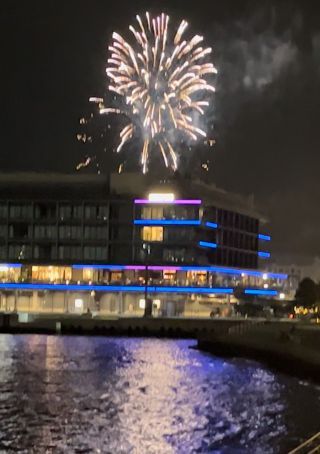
x=131 y=288
x=209 y=269
x=207 y=244
x=264 y=255
x=104 y=267
x=254 y=291
x=166 y=222
x=211 y=225
x=6 y=266
x=114 y=288
x=264 y=237
x=10 y=265
x=174 y=202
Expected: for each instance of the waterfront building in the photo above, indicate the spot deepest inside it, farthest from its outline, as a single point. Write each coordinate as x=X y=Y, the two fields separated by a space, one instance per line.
x=295 y=272
x=78 y=242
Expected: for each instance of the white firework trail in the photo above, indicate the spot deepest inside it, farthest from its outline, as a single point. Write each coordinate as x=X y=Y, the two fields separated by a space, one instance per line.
x=159 y=78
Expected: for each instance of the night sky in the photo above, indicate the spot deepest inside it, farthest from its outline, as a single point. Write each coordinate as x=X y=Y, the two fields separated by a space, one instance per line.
x=266 y=111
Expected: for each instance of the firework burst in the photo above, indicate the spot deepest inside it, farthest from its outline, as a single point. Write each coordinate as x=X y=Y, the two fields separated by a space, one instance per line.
x=161 y=79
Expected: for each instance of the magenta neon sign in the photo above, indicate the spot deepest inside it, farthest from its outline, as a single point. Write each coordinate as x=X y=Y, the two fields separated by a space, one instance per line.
x=173 y=202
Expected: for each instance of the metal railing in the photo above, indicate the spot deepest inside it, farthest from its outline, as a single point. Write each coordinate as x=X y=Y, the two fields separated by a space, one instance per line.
x=310 y=446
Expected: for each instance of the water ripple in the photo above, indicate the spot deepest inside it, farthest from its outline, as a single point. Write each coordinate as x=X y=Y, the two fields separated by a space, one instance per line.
x=109 y=395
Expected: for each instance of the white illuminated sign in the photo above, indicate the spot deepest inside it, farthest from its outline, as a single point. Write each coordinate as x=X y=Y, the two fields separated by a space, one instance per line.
x=166 y=197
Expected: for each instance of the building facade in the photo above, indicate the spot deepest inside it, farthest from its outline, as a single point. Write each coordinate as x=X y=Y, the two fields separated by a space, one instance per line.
x=130 y=234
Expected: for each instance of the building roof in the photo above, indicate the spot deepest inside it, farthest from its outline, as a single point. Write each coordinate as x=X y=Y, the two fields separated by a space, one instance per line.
x=46 y=186
x=138 y=185
x=63 y=186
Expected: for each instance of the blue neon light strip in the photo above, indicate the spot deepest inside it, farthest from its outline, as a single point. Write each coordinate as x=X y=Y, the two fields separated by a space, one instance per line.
x=264 y=255
x=10 y=265
x=264 y=237
x=209 y=269
x=131 y=288
x=253 y=291
x=113 y=288
x=212 y=225
x=207 y=244
x=99 y=267
x=166 y=222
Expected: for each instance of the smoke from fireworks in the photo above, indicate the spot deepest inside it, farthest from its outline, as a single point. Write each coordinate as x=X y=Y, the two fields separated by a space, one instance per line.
x=161 y=79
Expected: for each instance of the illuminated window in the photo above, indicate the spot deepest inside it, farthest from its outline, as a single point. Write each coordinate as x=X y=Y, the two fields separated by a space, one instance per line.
x=169 y=275
x=87 y=274
x=51 y=273
x=152 y=213
x=152 y=233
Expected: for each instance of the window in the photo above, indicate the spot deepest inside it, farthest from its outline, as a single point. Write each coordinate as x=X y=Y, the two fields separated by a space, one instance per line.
x=19 y=251
x=3 y=252
x=45 y=231
x=152 y=213
x=177 y=255
x=44 y=252
x=95 y=253
x=51 y=273
x=181 y=234
x=45 y=210
x=96 y=212
x=95 y=232
x=67 y=211
x=20 y=230
x=180 y=212
x=3 y=231
x=70 y=252
x=3 y=210
x=70 y=232
x=152 y=233
x=20 y=211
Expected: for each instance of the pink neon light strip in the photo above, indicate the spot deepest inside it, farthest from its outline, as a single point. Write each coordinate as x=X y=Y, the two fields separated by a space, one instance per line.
x=174 y=202
x=151 y=267
x=135 y=267
x=164 y=268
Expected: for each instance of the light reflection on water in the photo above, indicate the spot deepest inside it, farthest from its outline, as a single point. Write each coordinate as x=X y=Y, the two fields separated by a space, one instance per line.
x=126 y=395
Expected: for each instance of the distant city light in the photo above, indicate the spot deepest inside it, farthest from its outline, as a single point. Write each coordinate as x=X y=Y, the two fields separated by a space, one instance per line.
x=282 y=296
x=265 y=276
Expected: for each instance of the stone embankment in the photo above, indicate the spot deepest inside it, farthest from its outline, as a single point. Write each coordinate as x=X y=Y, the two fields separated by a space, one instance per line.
x=292 y=347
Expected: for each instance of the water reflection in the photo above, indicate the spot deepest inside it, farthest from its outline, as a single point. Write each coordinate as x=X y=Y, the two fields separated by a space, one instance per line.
x=79 y=394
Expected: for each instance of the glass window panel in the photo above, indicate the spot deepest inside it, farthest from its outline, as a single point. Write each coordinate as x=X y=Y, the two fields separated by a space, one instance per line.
x=152 y=233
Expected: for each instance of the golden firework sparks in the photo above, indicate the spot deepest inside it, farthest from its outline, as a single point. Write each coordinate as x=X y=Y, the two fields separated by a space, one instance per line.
x=162 y=81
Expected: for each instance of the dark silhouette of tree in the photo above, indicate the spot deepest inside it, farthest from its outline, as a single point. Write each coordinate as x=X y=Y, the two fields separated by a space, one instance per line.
x=307 y=292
